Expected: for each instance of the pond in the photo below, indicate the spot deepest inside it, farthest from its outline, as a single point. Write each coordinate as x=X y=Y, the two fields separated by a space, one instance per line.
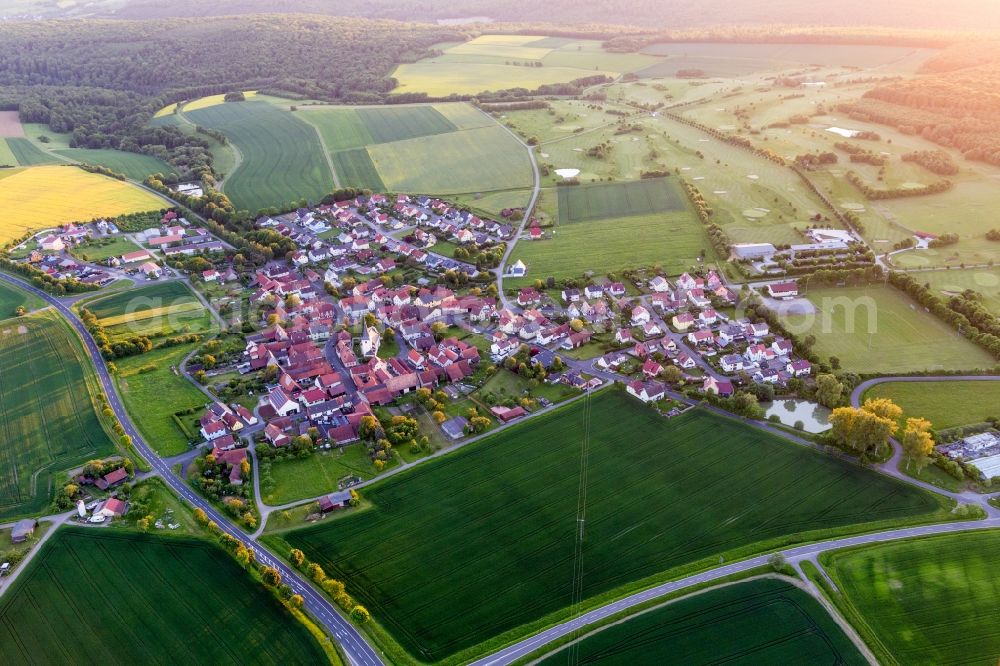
x=813 y=416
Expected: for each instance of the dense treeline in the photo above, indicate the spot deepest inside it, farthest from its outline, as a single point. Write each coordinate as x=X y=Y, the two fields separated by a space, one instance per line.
x=875 y=194
x=935 y=161
x=101 y=81
x=861 y=155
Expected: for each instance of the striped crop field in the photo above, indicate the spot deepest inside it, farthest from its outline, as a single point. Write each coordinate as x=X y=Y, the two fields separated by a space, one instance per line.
x=762 y=621
x=485 y=540
x=127 y=598
x=932 y=600
x=282 y=160
x=616 y=200
x=48 y=422
x=40 y=197
x=151 y=313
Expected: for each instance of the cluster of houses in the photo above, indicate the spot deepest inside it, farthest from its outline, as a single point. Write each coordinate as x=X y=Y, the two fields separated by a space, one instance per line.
x=354 y=235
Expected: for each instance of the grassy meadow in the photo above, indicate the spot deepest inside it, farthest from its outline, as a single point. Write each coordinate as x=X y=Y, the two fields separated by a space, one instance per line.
x=12 y=298
x=762 y=621
x=483 y=540
x=923 y=601
x=40 y=197
x=945 y=404
x=301 y=479
x=879 y=329
x=47 y=415
x=151 y=388
x=282 y=160
x=125 y=598
x=585 y=203
x=498 y=62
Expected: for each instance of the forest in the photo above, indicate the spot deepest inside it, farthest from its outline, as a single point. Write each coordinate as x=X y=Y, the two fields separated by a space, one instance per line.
x=101 y=81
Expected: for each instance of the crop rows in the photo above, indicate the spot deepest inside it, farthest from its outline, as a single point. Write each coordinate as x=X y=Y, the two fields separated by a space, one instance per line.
x=498 y=520
x=129 y=598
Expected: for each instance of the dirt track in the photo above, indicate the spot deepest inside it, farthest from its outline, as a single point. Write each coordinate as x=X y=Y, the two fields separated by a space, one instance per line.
x=10 y=125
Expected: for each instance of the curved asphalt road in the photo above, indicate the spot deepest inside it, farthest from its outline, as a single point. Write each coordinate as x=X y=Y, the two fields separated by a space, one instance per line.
x=529 y=645
x=353 y=644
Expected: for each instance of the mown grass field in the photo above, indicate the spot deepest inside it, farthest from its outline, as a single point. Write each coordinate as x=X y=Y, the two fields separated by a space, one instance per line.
x=762 y=621
x=134 y=165
x=482 y=541
x=151 y=388
x=879 y=329
x=40 y=197
x=101 y=249
x=926 y=601
x=672 y=241
x=301 y=479
x=945 y=404
x=476 y=160
x=125 y=598
x=282 y=157
x=585 y=203
x=953 y=282
x=47 y=418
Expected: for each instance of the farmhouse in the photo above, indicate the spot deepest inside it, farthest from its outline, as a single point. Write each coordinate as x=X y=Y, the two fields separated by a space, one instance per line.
x=52 y=244
x=136 y=257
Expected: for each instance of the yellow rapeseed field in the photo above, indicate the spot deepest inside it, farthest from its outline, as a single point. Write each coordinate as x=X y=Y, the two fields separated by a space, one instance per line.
x=44 y=196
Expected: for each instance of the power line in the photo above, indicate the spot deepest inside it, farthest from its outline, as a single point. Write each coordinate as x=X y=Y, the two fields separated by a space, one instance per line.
x=579 y=527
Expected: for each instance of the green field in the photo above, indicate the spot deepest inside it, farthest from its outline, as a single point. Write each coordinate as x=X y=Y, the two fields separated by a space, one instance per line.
x=134 y=165
x=282 y=157
x=672 y=241
x=126 y=598
x=28 y=154
x=301 y=479
x=585 y=203
x=47 y=418
x=152 y=397
x=7 y=158
x=952 y=282
x=945 y=404
x=12 y=298
x=355 y=168
x=924 y=601
x=482 y=540
x=879 y=329
x=101 y=249
x=498 y=62
x=476 y=160
x=762 y=621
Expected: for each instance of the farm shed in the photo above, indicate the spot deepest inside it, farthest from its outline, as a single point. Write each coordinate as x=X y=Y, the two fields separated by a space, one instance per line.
x=22 y=530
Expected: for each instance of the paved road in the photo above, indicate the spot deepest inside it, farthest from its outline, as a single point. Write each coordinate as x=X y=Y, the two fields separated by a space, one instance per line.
x=808 y=552
x=350 y=640
x=535 y=190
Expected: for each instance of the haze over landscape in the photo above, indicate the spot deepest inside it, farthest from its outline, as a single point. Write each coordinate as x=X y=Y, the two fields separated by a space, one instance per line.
x=422 y=332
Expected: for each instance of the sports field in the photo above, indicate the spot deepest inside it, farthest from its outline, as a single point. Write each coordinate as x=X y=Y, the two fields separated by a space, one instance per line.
x=134 y=165
x=585 y=203
x=282 y=160
x=925 y=601
x=484 y=540
x=672 y=241
x=126 y=598
x=762 y=621
x=151 y=389
x=498 y=62
x=39 y=197
x=945 y=404
x=879 y=329
x=48 y=422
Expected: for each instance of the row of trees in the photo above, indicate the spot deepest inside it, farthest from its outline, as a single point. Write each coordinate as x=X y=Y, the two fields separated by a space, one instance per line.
x=876 y=194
